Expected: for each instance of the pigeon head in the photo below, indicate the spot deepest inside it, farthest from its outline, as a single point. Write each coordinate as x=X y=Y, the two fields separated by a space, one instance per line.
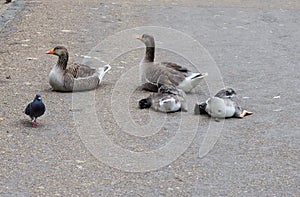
x=200 y=108
x=148 y=40
x=38 y=97
x=168 y=89
x=164 y=88
x=226 y=93
x=59 y=51
x=145 y=103
x=229 y=92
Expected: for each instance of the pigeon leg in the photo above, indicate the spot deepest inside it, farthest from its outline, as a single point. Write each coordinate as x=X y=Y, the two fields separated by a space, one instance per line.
x=245 y=113
x=34 y=123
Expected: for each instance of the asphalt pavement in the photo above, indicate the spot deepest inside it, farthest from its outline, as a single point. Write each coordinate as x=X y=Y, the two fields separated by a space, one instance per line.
x=98 y=143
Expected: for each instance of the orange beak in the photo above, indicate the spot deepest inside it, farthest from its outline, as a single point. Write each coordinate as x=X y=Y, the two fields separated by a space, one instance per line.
x=139 y=38
x=51 y=51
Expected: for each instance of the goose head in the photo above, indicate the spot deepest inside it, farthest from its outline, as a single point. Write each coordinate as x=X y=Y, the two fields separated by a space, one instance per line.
x=59 y=51
x=148 y=40
x=63 y=55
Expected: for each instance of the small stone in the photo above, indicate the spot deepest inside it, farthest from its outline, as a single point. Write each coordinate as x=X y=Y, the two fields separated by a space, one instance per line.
x=80 y=161
x=66 y=30
x=31 y=58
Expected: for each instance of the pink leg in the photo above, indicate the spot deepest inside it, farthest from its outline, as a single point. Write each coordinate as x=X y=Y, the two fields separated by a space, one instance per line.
x=34 y=123
x=245 y=113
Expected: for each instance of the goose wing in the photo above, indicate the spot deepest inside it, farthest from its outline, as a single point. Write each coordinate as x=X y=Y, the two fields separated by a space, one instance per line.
x=80 y=70
x=175 y=67
x=162 y=74
x=80 y=83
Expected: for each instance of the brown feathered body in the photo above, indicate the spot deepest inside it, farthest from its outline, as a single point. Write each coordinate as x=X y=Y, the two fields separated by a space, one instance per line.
x=73 y=77
x=155 y=74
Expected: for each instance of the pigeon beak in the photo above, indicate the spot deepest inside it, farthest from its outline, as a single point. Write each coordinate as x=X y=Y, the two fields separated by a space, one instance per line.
x=139 y=38
x=51 y=51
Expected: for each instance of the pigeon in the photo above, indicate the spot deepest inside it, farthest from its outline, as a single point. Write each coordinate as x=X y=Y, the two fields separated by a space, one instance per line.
x=167 y=99
x=224 y=104
x=35 y=109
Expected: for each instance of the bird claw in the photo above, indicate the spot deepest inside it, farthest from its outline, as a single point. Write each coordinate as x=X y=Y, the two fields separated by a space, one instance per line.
x=34 y=124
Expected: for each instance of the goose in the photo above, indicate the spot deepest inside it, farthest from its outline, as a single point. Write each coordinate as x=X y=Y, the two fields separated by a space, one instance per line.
x=154 y=74
x=224 y=104
x=167 y=99
x=62 y=77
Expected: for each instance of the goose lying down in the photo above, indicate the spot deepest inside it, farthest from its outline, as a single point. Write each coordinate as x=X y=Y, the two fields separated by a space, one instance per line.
x=73 y=77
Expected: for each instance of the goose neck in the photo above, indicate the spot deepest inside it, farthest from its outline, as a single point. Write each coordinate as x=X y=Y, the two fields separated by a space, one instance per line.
x=150 y=51
x=63 y=61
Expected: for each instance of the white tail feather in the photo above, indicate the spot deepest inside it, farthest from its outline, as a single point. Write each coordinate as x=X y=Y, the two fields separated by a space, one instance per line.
x=102 y=71
x=191 y=81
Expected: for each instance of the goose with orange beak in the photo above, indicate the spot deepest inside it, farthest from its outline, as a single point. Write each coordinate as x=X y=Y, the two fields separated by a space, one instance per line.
x=155 y=74
x=73 y=77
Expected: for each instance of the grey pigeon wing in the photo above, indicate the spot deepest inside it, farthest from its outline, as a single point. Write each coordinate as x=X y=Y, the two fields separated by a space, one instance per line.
x=221 y=94
x=238 y=108
x=28 y=109
x=41 y=110
x=37 y=109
